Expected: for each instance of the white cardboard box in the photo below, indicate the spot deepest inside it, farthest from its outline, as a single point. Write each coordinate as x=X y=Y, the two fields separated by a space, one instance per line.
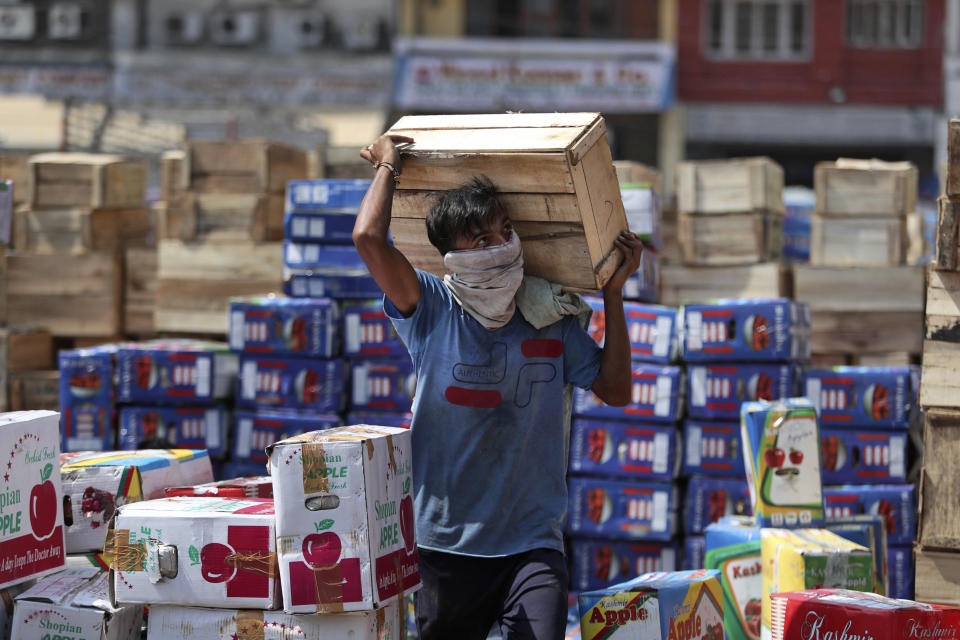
x=74 y=604
x=31 y=497
x=214 y=552
x=181 y=623
x=344 y=518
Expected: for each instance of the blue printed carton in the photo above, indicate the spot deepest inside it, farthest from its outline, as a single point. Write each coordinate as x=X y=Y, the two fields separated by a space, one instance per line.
x=329 y=227
x=867 y=531
x=747 y=330
x=314 y=255
x=291 y=326
x=901 y=571
x=694 y=550
x=380 y=418
x=655 y=394
x=330 y=283
x=175 y=372
x=709 y=499
x=859 y=456
x=309 y=384
x=622 y=510
x=716 y=391
x=325 y=195
x=254 y=431
x=597 y=564
x=623 y=449
x=368 y=332
x=879 y=397
x=653 y=330
x=894 y=503
x=87 y=399
x=185 y=427
x=712 y=448
x=385 y=384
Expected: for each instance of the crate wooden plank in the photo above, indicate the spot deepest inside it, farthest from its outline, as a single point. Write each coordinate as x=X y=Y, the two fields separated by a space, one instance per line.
x=173 y=178
x=940 y=384
x=940 y=484
x=224 y=216
x=140 y=291
x=629 y=172
x=730 y=186
x=14 y=167
x=858 y=242
x=952 y=169
x=937 y=577
x=106 y=181
x=681 y=284
x=731 y=239
x=860 y=288
x=865 y=188
x=917 y=246
x=888 y=359
x=948 y=216
x=856 y=333
x=535 y=160
x=81 y=230
x=22 y=350
x=70 y=295
x=35 y=390
x=242 y=166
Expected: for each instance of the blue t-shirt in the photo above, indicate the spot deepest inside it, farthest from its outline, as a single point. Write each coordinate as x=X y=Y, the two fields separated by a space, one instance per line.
x=489 y=458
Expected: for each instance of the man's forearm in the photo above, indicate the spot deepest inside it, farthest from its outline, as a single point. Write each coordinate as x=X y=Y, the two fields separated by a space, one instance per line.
x=613 y=381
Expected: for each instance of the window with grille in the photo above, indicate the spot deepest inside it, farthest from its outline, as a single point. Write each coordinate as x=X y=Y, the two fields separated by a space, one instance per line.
x=885 y=24
x=757 y=29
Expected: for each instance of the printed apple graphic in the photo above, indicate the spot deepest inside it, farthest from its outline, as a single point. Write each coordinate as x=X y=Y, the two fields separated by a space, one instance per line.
x=43 y=505
x=796 y=456
x=321 y=550
x=775 y=457
x=213 y=563
x=406 y=524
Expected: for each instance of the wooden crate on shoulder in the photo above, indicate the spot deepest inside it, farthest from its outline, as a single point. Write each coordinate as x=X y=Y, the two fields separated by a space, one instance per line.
x=22 y=350
x=241 y=166
x=858 y=188
x=682 y=284
x=95 y=180
x=730 y=186
x=730 y=239
x=554 y=172
x=81 y=230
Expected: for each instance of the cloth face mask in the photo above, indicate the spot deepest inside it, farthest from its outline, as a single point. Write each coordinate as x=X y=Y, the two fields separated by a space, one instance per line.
x=484 y=281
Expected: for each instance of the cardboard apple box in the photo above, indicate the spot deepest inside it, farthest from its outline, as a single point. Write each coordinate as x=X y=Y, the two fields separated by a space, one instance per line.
x=31 y=511
x=214 y=552
x=97 y=483
x=249 y=487
x=344 y=518
x=183 y=623
x=74 y=604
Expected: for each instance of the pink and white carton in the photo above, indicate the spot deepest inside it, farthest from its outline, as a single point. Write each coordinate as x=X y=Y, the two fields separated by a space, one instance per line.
x=214 y=552
x=31 y=496
x=74 y=605
x=344 y=518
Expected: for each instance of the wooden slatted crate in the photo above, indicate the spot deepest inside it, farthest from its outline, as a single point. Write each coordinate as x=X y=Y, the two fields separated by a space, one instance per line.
x=730 y=239
x=940 y=378
x=860 y=288
x=629 y=172
x=865 y=188
x=948 y=217
x=556 y=177
x=241 y=166
x=682 y=284
x=22 y=350
x=95 y=180
x=81 y=230
x=140 y=291
x=35 y=390
x=848 y=242
x=224 y=216
x=940 y=485
x=730 y=186
x=937 y=577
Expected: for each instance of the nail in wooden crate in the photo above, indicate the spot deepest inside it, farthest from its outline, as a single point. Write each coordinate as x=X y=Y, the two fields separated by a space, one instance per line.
x=35 y=390
x=195 y=281
x=940 y=481
x=140 y=291
x=680 y=284
x=554 y=172
x=241 y=166
x=95 y=180
x=81 y=230
x=937 y=577
x=22 y=350
x=69 y=295
x=730 y=186
x=730 y=239
x=850 y=187
x=863 y=241
x=940 y=375
x=224 y=216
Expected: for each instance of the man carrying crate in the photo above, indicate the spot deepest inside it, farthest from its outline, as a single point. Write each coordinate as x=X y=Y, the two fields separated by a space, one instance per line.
x=489 y=451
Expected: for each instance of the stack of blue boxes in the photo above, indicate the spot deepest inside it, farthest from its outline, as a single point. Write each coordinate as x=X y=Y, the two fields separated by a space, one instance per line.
x=622 y=513
x=736 y=351
x=864 y=416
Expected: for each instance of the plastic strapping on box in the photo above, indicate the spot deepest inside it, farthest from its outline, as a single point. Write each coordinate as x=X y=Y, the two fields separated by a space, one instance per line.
x=328 y=586
x=126 y=556
x=255 y=562
x=249 y=625
x=314 y=468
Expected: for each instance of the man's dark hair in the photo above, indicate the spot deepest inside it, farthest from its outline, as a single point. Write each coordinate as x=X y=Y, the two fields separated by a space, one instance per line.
x=458 y=212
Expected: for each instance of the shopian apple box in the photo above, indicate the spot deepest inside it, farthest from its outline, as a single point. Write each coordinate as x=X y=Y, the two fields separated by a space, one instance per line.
x=31 y=502
x=214 y=552
x=596 y=564
x=345 y=518
x=192 y=623
x=74 y=605
x=782 y=448
x=6 y=614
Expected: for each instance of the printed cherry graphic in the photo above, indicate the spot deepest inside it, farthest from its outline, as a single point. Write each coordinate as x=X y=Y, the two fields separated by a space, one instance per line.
x=406 y=524
x=43 y=505
x=213 y=562
x=321 y=550
x=775 y=457
x=796 y=456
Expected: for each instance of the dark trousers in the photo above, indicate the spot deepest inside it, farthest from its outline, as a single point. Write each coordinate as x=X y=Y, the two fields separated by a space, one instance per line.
x=463 y=597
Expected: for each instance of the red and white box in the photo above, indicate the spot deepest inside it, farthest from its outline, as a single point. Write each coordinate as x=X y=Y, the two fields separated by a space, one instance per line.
x=213 y=552
x=252 y=487
x=31 y=496
x=74 y=604
x=190 y=623
x=345 y=515
x=825 y=614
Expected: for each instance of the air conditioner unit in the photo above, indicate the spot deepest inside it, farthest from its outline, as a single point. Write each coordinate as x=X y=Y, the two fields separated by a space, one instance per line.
x=17 y=22
x=310 y=31
x=235 y=28
x=361 y=34
x=183 y=28
x=66 y=21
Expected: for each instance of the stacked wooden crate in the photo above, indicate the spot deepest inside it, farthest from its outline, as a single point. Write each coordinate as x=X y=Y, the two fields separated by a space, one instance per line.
x=729 y=222
x=865 y=296
x=221 y=227
x=937 y=553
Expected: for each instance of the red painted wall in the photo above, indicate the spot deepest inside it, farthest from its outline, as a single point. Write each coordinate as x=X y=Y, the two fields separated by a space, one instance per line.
x=866 y=76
